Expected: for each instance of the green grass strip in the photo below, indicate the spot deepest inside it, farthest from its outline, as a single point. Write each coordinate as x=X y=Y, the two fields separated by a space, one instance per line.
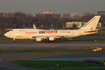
x=101 y=32
x=82 y=69
x=2 y=33
x=52 y=64
x=5 y=38
x=51 y=51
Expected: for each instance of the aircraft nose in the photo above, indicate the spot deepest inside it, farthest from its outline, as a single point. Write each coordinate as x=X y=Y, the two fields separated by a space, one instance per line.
x=9 y=35
x=6 y=34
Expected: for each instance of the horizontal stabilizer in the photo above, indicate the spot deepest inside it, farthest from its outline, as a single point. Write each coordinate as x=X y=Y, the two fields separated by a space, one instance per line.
x=34 y=27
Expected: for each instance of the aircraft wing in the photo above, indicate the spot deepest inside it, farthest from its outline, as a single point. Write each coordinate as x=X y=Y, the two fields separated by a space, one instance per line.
x=50 y=37
x=55 y=36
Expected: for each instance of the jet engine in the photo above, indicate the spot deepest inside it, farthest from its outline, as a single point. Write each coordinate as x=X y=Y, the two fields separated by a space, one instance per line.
x=38 y=39
x=51 y=38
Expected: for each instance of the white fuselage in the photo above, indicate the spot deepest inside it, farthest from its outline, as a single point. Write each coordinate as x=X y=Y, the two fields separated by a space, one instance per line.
x=33 y=33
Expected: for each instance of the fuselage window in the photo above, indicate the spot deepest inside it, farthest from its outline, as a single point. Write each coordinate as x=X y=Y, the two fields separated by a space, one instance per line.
x=21 y=30
x=41 y=32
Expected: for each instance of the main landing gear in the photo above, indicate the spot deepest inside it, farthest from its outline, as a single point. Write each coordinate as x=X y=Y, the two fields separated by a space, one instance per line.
x=14 y=40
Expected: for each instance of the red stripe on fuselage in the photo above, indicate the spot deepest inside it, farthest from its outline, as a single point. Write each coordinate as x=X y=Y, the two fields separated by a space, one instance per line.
x=51 y=32
x=31 y=32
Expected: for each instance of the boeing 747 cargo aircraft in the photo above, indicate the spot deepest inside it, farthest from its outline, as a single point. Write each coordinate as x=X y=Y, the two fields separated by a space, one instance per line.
x=51 y=35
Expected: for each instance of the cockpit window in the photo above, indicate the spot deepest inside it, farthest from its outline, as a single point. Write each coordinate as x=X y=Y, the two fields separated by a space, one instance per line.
x=11 y=30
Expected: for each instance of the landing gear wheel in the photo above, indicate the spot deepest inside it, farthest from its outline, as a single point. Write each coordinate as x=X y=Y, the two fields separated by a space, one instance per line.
x=14 y=40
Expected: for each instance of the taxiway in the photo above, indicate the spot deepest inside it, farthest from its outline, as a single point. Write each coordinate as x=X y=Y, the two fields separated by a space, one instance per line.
x=32 y=45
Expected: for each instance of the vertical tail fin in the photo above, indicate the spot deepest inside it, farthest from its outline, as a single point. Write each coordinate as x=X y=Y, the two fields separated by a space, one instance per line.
x=91 y=24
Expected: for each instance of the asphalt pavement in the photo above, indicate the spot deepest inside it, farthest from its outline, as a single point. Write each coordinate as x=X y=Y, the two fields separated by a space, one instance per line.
x=32 y=45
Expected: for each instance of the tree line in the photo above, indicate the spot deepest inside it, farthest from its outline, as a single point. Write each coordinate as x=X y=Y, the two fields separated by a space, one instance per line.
x=22 y=20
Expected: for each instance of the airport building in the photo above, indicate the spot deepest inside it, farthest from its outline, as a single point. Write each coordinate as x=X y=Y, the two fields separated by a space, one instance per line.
x=101 y=12
x=99 y=25
x=47 y=12
x=77 y=24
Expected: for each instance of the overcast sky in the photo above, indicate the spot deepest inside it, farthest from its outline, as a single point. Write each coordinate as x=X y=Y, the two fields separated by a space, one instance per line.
x=57 y=6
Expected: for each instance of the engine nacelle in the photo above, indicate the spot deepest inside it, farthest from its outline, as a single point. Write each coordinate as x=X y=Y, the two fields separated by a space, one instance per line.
x=38 y=39
x=51 y=38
